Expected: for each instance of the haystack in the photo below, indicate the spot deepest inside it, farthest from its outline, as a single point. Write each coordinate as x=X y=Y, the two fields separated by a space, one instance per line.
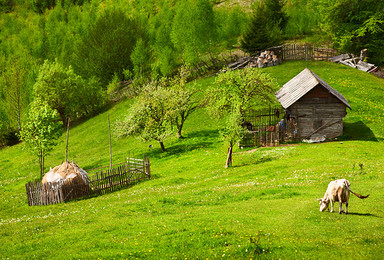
x=68 y=173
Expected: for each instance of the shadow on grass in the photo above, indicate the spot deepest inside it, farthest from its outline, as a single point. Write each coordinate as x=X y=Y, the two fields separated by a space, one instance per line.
x=192 y=141
x=363 y=214
x=108 y=191
x=258 y=161
x=357 y=131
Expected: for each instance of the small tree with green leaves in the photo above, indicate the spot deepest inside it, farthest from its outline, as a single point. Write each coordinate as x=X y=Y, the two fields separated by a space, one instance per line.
x=233 y=94
x=183 y=99
x=150 y=116
x=41 y=131
x=233 y=132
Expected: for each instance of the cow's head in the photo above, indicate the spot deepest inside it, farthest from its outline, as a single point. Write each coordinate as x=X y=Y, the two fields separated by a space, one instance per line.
x=323 y=204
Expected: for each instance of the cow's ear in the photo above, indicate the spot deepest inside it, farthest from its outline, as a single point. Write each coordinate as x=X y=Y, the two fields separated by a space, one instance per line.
x=319 y=199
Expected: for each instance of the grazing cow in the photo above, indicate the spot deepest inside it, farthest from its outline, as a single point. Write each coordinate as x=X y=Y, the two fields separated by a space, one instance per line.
x=338 y=190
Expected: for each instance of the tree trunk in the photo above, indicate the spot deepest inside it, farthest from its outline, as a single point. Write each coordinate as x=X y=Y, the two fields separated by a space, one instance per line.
x=229 y=157
x=179 y=128
x=162 y=146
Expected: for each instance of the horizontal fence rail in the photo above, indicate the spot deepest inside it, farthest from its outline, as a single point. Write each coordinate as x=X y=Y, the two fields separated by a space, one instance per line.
x=304 y=52
x=102 y=180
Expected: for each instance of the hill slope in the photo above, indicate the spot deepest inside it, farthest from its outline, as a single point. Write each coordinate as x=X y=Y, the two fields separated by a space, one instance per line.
x=194 y=208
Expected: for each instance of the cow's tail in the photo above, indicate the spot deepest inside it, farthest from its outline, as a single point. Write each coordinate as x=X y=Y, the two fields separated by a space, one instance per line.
x=357 y=194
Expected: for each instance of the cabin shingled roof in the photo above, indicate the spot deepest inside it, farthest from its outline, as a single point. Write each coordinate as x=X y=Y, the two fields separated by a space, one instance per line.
x=300 y=85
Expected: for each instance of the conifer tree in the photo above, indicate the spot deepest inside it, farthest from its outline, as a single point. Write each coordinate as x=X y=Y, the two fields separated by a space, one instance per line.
x=265 y=28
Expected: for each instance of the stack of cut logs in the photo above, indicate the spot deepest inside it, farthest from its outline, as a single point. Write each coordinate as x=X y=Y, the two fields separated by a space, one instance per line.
x=265 y=59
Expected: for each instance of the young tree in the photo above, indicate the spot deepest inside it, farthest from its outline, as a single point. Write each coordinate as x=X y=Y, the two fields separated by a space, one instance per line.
x=233 y=132
x=150 y=116
x=183 y=99
x=41 y=131
x=233 y=94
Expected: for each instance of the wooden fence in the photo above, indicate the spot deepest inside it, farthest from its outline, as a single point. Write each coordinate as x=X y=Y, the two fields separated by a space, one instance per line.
x=304 y=52
x=268 y=127
x=102 y=180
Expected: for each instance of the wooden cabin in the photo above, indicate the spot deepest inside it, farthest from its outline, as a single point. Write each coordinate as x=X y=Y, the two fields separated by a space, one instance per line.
x=314 y=108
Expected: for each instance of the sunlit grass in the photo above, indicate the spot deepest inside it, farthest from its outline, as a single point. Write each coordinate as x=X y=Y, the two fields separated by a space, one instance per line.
x=264 y=206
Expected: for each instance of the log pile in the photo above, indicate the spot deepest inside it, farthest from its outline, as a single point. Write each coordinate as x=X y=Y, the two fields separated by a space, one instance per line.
x=265 y=59
x=355 y=62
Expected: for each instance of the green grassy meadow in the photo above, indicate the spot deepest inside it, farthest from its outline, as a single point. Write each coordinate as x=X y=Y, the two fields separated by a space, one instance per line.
x=263 y=207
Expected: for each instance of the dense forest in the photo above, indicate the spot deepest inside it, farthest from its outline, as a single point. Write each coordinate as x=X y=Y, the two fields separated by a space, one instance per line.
x=72 y=55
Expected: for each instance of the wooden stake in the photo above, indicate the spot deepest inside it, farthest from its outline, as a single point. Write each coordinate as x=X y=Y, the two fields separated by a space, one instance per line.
x=110 y=144
x=66 y=149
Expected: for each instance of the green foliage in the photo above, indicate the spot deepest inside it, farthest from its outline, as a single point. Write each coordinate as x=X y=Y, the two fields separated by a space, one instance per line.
x=140 y=57
x=183 y=98
x=41 y=131
x=243 y=89
x=233 y=131
x=233 y=95
x=355 y=25
x=160 y=28
x=193 y=30
x=303 y=19
x=68 y=93
x=6 y=6
x=265 y=28
x=15 y=90
x=107 y=46
x=150 y=116
x=231 y=25
x=193 y=209
x=39 y=6
x=275 y=13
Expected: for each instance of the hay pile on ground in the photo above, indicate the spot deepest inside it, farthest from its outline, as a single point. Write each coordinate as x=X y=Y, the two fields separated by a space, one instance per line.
x=68 y=173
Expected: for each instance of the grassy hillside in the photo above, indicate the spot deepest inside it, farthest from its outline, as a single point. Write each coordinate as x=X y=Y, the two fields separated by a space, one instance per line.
x=264 y=206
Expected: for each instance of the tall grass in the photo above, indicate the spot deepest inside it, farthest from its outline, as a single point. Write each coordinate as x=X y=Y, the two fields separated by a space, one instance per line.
x=263 y=207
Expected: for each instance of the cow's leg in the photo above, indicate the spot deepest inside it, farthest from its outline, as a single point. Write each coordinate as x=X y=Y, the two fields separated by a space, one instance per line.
x=341 y=205
x=331 y=205
x=346 y=207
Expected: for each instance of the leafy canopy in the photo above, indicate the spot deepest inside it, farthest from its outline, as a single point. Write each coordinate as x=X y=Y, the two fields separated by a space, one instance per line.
x=150 y=116
x=233 y=94
x=71 y=95
x=240 y=90
x=41 y=131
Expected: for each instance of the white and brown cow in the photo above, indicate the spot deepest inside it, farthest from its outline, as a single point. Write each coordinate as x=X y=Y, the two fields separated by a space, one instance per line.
x=338 y=190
